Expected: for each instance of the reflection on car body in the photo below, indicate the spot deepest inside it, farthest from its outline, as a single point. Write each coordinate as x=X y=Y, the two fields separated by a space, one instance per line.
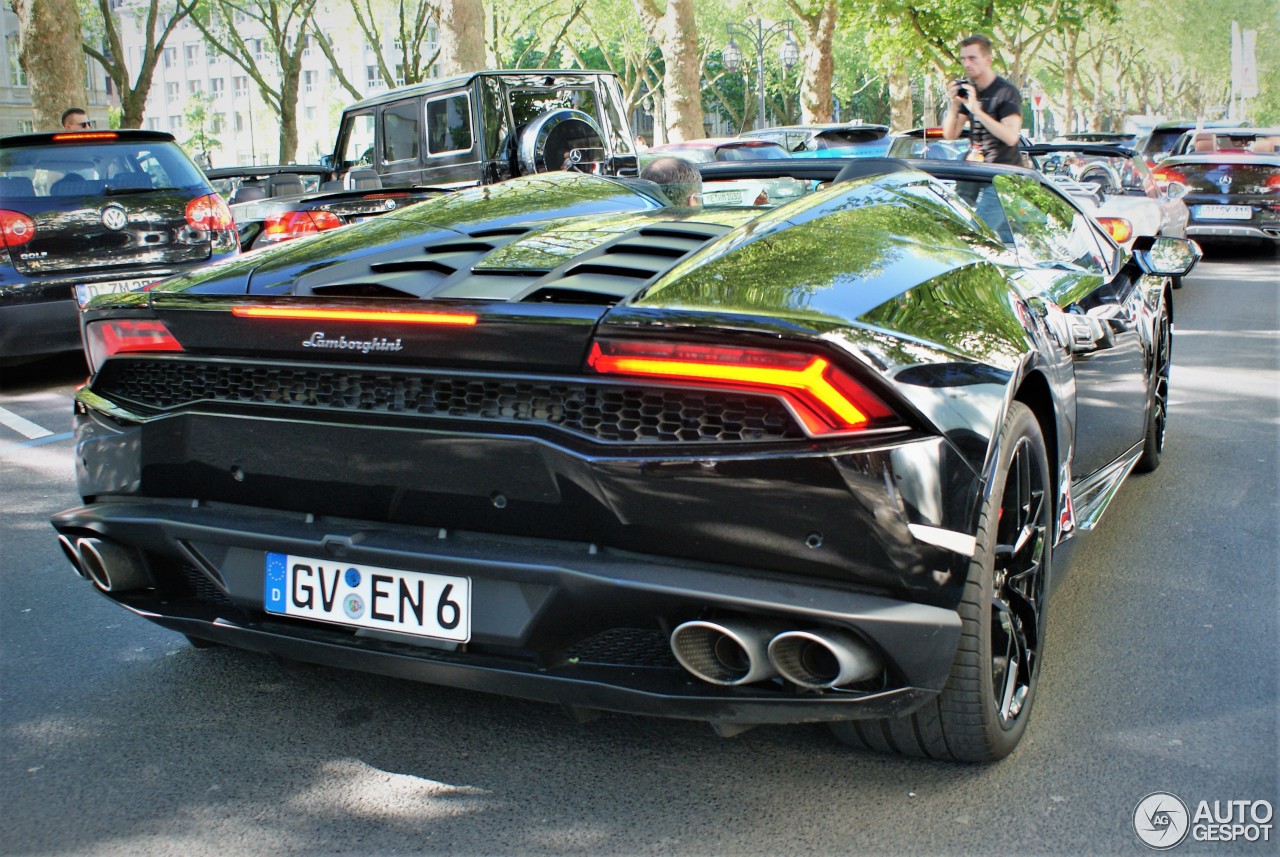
x=820 y=460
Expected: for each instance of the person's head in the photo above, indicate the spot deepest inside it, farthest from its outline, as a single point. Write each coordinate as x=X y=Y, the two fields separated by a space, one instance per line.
x=976 y=57
x=679 y=179
x=75 y=119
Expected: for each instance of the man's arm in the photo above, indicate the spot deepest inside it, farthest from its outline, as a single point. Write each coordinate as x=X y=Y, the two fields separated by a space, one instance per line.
x=953 y=122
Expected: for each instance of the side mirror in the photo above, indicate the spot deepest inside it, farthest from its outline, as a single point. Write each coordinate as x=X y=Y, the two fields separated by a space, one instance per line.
x=1175 y=190
x=1166 y=257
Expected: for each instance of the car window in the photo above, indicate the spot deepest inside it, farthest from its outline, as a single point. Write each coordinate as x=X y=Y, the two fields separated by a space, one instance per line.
x=1047 y=229
x=449 y=124
x=400 y=132
x=750 y=153
x=91 y=169
x=527 y=105
x=357 y=149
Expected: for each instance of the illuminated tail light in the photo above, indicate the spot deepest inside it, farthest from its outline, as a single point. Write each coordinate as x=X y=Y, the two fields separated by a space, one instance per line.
x=1168 y=175
x=210 y=213
x=375 y=316
x=822 y=396
x=295 y=224
x=16 y=228
x=762 y=198
x=108 y=338
x=85 y=136
x=1120 y=229
x=1273 y=183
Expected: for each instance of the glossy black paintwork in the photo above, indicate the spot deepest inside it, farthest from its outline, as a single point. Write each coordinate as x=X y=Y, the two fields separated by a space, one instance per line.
x=884 y=276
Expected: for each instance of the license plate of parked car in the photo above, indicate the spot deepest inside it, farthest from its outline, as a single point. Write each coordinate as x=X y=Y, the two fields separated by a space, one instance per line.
x=1224 y=212
x=367 y=596
x=86 y=292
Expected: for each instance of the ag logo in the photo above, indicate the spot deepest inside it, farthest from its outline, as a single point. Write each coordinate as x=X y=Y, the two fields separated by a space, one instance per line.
x=1161 y=820
x=114 y=217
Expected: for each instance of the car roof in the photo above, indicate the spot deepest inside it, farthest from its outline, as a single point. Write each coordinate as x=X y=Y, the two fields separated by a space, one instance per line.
x=49 y=138
x=459 y=80
x=1224 y=158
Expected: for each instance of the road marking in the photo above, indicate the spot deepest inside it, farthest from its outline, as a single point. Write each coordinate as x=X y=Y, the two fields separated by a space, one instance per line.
x=27 y=444
x=26 y=428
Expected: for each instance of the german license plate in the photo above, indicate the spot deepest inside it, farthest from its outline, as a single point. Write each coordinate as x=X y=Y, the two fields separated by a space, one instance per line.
x=86 y=292
x=1224 y=212
x=367 y=596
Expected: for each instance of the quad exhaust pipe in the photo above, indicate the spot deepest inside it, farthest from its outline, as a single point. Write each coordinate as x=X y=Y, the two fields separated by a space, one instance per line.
x=741 y=651
x=112 y=567
x=73 y=556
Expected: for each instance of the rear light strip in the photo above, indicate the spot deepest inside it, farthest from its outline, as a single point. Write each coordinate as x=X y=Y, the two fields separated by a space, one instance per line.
x=381 y=316
x=823 y=397
x=108 y=338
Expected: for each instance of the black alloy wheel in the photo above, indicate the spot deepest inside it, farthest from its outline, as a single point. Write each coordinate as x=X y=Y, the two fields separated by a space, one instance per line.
x=983 y=711
x=1158 y=405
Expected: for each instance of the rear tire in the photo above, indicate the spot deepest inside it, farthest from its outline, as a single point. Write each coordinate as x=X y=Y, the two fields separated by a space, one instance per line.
x=982 y=712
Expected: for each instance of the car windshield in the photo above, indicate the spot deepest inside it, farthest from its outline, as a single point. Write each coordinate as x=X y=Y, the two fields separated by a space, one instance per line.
x=89 y=169
x=750 y=153
x=851 y=138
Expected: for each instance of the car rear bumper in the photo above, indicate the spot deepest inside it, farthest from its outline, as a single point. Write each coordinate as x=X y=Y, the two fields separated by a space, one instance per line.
x=553 y=621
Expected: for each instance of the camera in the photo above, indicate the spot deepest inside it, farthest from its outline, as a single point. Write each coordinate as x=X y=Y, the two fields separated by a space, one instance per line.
x=962 y=89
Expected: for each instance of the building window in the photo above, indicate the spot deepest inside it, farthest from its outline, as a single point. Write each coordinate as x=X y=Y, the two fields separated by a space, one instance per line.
x=194 y=87
x=26 y=126
x=175 y=123
x=311 y=114
x=172 y=92
x=217 y=86
x=242 y=85
x=170 y=57
x=399 y=74
x=217 y=123
x=259 y=49
x=239 y=122
x=309 y=81
x=373 y=80
x=153 y=124
x=17 y=77
x=192 y=53
x=308 y=41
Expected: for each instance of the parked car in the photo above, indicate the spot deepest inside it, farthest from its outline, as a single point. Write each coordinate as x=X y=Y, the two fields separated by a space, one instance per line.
x=929 y=143
x=1231 y=195
x=1156 y=144
x=272 y=203
x=711 y=149
x=487 y=126
x=92 y=212
x=1128 y=200
x=551 y=438
x=1265 y=140
x=832 y=140
x=1115 y=138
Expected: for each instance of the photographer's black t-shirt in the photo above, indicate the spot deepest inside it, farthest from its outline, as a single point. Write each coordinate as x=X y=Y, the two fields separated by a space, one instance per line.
x=1000 y=99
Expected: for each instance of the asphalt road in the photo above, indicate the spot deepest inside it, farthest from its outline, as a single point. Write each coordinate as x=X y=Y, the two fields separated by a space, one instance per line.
x=116 y=737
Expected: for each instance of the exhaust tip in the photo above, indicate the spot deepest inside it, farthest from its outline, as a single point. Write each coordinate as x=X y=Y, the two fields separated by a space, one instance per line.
x=73 y=556
x=822 y=659
x=724 y=653
x=112 y=567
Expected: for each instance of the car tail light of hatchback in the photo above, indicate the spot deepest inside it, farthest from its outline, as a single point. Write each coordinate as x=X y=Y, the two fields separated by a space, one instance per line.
x=295 y=224
x=16 y=228
x=210 y=213
x=823 y=397
x=103 y=339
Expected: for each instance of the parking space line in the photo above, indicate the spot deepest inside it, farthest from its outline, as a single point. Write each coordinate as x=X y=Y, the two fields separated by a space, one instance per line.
x=24 y=427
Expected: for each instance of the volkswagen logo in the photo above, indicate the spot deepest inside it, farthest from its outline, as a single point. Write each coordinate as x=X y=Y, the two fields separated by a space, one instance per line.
x=114 y=217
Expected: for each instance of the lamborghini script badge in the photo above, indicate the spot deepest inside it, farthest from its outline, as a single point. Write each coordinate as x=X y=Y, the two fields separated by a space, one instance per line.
x=364 y=346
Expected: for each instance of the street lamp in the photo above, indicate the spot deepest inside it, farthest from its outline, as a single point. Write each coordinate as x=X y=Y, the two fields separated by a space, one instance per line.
x=758 y=33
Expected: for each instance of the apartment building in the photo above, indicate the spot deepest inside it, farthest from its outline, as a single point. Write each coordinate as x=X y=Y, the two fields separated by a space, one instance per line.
x=15 y=95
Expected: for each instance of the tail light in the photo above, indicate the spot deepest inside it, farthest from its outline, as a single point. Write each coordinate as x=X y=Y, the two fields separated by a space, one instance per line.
x=823 y=397
x=85 y=136
x=1168 y=174
x=295 y=224
x=16 y=228
x=1273 y=183
x=210 y=213
x=1118 y=228
x=103 y=339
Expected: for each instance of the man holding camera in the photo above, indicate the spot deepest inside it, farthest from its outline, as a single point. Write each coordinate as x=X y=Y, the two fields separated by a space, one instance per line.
x=991 y=105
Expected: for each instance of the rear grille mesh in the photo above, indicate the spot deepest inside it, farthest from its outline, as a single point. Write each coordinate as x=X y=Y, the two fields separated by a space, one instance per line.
x=601 y=412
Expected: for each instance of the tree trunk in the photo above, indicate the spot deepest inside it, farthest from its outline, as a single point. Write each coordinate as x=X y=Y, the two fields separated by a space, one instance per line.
x=49 y=35
x=676 y=33
x=461 y=37
x=816 y=65
x=901 y=112
x=1069 y=82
